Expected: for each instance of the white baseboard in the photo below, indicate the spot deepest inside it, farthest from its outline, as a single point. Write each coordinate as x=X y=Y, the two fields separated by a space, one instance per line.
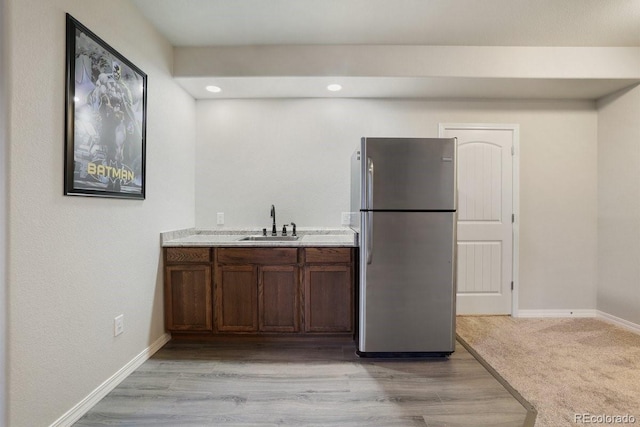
x=75 y=413
x=557 y=313
x=633 y=327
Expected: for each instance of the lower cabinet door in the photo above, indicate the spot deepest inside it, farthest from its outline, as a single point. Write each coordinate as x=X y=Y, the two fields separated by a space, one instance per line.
x=188 y=304
x=278 y=296
x=328 y=291
x=237 y=298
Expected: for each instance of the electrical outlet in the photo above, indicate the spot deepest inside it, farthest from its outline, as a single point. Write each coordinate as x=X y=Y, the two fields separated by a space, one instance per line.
x=118 y=325
x=220 y=219
x=346 y=218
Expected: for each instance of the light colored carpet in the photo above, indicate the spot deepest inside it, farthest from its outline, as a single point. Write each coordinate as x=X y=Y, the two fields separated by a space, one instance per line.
x=563 y=367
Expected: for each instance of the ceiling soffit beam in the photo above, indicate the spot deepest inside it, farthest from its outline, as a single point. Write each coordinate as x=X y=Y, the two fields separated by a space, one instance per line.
x=408 y=61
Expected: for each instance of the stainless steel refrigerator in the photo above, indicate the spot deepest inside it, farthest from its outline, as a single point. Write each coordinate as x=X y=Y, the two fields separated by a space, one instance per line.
x=404 y=194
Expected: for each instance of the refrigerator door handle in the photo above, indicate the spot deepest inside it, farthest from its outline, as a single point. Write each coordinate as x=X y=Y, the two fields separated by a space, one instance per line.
x=369 y=183
x=369 y=226
x=369 y=237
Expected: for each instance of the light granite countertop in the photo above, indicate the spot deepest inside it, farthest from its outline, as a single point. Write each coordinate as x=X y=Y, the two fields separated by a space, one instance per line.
x=341 y=237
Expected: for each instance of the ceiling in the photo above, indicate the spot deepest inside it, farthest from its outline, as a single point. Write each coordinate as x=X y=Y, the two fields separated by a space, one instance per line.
x=552 y=23
x=421 y=22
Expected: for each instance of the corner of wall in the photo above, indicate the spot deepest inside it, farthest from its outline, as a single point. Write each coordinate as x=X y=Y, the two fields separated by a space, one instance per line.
x=618 y=282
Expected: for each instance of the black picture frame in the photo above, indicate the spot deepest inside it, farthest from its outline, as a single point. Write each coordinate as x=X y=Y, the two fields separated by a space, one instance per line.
x=105 y=119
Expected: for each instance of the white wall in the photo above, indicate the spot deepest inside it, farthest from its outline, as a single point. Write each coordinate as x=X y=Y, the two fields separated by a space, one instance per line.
x=619 y=205
x=76 y=262
x=3 y=217
x=295 y=154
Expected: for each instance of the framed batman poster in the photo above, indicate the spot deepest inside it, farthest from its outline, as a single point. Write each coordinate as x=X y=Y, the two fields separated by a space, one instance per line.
x=105 y=129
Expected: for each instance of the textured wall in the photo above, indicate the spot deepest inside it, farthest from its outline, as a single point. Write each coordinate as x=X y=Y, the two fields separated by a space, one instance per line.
x=295 y=154
x=77 y=262
x=4 y=175
x=619 y=205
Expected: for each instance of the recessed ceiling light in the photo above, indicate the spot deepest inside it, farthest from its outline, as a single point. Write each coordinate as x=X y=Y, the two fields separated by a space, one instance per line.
x=214 y=89
x=334 y=87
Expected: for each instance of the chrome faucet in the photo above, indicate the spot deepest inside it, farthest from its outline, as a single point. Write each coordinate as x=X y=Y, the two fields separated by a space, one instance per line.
x=274 y=231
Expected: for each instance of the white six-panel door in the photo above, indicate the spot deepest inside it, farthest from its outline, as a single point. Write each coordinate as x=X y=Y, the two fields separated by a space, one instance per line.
x=485 y=209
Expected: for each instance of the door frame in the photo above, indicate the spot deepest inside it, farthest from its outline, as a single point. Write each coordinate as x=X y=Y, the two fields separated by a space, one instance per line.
x=515 y=226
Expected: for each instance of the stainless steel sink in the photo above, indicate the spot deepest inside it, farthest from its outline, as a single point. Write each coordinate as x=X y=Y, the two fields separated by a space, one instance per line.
x=270 y=238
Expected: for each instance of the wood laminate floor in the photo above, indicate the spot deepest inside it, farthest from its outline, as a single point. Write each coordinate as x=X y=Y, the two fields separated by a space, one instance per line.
x=303 y=384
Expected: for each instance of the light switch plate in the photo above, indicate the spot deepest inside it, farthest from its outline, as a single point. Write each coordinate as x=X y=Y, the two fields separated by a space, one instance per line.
x=118 y=325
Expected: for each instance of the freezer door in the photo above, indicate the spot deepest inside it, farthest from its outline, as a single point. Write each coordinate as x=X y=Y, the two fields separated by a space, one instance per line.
x=407 y=282
x=408 y=173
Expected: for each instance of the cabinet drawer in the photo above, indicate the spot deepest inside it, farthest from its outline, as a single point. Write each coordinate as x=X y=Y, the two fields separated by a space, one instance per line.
x=257 y=255
x=182 y=255
x=327 y=255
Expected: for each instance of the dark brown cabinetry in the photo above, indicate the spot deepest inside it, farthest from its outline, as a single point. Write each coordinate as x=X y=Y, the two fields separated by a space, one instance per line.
x=278 y=299
x=187 y=289
x=259 y=291
x=236 y=298
x=328 y=290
